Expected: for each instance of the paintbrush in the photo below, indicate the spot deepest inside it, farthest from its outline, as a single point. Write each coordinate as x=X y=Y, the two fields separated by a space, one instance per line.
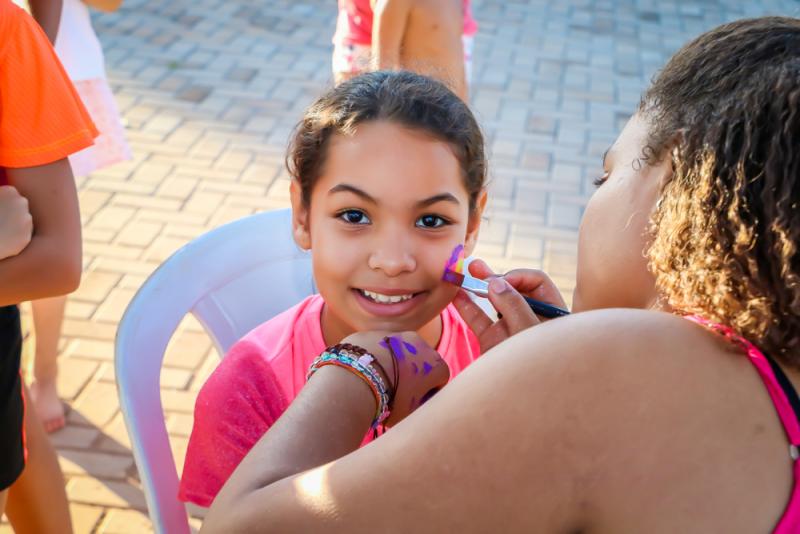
x=455 y=273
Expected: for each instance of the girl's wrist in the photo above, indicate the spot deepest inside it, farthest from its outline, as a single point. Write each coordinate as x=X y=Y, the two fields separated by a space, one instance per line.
x=348 y=392
x=363 y=365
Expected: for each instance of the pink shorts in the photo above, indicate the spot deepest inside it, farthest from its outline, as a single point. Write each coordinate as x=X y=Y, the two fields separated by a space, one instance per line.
x=110 y=146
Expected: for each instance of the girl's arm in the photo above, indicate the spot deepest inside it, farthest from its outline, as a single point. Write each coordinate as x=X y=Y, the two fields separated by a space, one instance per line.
x=109 y=6
x=16 y=223
x=388 y=27
x=48 y=14
x=51 y=264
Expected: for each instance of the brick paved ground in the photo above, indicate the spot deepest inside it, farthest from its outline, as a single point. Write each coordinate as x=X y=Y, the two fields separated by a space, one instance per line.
x=210 y=90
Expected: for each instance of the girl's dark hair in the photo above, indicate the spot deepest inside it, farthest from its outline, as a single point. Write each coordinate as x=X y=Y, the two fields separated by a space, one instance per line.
x=726 y=231
x=411 y=100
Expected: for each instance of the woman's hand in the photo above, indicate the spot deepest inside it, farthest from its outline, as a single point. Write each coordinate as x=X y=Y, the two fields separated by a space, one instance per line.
x=505 y=294
x=16 y=224
x=419 y=373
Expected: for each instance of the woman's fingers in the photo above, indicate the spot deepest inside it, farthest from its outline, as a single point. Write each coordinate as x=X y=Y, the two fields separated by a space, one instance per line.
x=479 y=269
x=535 y=284
x=508 y=302
x=472 y=314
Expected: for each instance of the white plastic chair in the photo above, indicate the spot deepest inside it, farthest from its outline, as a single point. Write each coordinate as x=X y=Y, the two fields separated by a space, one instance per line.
x=231 y=279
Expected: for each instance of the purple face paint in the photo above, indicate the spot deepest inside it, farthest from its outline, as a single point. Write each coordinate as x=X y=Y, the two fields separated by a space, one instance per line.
x=415 y=368
x=454 y=268
x=410 y=348
x=426 y=368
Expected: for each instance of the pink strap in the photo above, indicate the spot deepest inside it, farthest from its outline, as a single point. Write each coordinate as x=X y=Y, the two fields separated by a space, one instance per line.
x=790 y=521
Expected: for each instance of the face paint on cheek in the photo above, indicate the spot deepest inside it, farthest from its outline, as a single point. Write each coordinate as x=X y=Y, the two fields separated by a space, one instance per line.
x=456 y=261
x=426 y=368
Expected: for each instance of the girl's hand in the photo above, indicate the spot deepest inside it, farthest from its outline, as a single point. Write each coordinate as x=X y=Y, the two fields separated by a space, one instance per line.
x=421 y=371
x=505 y=294
x=16 y=223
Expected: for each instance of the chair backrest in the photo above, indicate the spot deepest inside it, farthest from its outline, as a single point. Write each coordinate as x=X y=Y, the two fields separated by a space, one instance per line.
x=231 y=279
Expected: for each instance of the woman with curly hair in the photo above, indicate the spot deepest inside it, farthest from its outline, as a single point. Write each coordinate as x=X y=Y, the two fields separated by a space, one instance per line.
x=667 y=405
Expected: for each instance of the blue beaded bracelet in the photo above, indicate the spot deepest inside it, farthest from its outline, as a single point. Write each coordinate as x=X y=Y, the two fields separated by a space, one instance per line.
x=358 y=361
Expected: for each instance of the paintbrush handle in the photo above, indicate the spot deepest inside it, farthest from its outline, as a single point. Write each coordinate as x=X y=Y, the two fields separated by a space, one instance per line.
x=545 y=310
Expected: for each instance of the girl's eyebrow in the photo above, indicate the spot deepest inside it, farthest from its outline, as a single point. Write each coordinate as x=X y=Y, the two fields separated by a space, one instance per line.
x=347 y=188
x=443 y=197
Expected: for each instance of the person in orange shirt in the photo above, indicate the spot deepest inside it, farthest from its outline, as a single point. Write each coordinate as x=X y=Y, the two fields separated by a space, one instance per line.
x=42 y=121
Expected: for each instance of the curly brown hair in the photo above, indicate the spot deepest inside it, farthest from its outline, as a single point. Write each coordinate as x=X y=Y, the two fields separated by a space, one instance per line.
x=726 y=231
x=405 y=98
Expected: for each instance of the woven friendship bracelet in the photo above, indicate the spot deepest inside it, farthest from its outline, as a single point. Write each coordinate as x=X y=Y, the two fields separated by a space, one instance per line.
x=357 y=361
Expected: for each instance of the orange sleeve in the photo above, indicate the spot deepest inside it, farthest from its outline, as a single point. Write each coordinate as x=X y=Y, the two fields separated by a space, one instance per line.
x=42 y=119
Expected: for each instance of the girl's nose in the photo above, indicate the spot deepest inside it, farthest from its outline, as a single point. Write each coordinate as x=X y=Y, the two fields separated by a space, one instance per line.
x=392 y=256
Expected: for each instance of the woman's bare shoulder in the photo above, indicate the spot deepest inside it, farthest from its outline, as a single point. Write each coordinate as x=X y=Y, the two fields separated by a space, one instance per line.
x=566 y=414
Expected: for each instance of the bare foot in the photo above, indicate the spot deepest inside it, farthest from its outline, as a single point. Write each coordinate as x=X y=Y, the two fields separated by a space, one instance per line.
x=47 y=405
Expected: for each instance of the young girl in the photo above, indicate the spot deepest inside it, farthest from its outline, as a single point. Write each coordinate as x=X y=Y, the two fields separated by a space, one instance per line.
x=81 y=55
x=388 y=178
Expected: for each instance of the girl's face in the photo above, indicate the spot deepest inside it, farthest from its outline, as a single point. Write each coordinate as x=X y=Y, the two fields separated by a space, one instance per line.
x=612 y=267
x=385 y=214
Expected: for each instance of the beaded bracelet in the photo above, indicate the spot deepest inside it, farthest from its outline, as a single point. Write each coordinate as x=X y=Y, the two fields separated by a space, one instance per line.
x=359 y=362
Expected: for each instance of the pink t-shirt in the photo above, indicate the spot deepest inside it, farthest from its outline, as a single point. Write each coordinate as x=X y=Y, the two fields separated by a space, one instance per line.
x=354 y=24
x=258 y=378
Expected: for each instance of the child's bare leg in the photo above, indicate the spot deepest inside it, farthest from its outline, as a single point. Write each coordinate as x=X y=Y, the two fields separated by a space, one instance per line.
x=3 y=499
x=48 y=316
x=37 y=501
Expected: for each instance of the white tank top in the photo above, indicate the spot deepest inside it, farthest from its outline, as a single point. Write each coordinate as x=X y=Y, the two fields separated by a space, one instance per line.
x=77 y=45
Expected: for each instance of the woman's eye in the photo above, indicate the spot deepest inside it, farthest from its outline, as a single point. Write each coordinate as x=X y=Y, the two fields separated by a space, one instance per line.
x=354 y=217
x=600 y=180
x=430 y=221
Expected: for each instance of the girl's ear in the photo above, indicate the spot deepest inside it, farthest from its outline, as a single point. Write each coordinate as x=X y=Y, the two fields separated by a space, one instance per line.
x=300 y=219
x=474 y=223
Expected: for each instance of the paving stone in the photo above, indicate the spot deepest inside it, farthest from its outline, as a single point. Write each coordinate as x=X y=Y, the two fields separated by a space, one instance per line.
x=97 y=404
x=126 y=522
x=94 y=464
x=85 y=518
x=106 y=493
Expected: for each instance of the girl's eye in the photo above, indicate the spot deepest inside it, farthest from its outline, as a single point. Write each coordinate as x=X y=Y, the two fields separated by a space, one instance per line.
x=600 y=180
x=430 y=221
x=354 y=217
